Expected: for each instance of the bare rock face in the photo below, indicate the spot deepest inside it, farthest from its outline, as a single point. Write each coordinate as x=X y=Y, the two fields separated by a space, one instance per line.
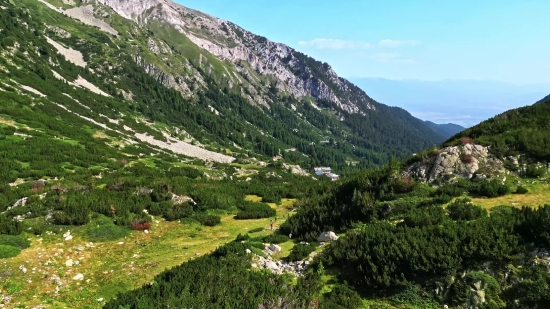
x=229 y=42
x=462 y=161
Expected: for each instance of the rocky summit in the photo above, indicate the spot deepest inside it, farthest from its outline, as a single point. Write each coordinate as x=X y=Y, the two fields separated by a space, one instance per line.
x=250 y=54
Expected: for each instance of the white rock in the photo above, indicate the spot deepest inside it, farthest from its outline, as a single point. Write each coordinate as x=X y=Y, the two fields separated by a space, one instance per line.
x=146 y=231
x=69 y=237
x=69 y=263
x=78 y=277
x=121 y=243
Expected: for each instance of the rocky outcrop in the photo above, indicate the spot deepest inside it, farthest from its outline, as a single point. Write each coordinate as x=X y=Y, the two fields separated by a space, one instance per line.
x=178 y=82
x=465 y=161
x=327 y=237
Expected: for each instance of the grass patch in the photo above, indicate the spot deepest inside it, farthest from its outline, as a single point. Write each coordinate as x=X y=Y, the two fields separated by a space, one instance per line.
x=8 y=251
x=19 y=241
x=103 y=229
x=538 y=194
x=114 y=268
x=253 y=198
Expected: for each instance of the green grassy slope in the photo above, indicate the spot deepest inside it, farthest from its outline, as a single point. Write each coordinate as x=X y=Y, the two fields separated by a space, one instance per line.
x=524 y=130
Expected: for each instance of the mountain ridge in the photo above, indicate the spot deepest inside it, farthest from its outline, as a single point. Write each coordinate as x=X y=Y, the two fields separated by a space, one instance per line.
x=445 y=129
x=163 y=38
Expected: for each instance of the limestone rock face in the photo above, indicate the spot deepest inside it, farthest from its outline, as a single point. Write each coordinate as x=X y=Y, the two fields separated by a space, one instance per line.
x=462 y=161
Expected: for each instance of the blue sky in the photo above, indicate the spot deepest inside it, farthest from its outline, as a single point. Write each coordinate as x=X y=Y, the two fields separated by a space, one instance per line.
x=406 y=39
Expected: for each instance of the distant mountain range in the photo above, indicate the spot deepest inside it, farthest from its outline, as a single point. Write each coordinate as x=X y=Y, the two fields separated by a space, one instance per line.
x=447 y=130
x=464 y=102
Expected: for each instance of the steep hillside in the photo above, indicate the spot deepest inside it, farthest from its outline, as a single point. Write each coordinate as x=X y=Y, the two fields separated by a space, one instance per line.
x=293 y=100
x=446 y=130
x=524 y=131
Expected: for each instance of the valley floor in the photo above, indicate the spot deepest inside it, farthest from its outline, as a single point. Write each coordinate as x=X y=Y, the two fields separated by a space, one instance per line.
x=40 y=275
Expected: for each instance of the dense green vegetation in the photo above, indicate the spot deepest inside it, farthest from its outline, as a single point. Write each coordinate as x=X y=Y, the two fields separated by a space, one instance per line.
x=301 y=251
x=400 y=238
x=250 y=210
x=237 y=286
x=523 y=130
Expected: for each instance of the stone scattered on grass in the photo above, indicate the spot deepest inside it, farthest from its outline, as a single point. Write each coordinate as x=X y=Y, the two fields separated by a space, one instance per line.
x=78 y=277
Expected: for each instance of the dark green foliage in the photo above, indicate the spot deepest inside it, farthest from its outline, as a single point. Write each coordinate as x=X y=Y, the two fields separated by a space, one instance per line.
x=463 y=209
x=191 y=285
x=107 y=232
x=275 y=239
x=533 y=291
x=450 y=190
x=188 y=172
x=382 y=256
x=71 y=212
x=521 y=190
x=9 y=226
x=522 y=130
x=256 y=230
x=336 y=209
x=461 y=289
x=19 y=241
x=414 y=295
x=242 y=237
x=7 y=251
x=207 y=220
x=535 y=171
x=180 y=211
x=534 y=225
x=249 y=210
x=341 y=297
x=493 y=188
x=161 y=193
x=300 y=252
x=432 y=215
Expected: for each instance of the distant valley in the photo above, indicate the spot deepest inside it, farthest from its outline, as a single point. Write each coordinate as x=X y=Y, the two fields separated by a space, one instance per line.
x=463 y=102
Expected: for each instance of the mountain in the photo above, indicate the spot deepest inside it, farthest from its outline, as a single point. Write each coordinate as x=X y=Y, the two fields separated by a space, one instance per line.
x=465 y=102
x=293 y=100
x=446 y=130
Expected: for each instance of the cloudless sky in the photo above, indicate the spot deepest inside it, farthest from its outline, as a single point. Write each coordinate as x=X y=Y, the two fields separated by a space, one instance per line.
x=505 y=40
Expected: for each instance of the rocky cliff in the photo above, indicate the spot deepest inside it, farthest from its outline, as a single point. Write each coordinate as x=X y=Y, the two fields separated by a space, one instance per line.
x=297 y=102
x=293 y=72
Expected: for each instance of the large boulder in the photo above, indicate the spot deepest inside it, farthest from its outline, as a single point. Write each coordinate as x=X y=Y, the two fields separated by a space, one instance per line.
x=272 y=266
x=462 y=161
x=327 y=237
